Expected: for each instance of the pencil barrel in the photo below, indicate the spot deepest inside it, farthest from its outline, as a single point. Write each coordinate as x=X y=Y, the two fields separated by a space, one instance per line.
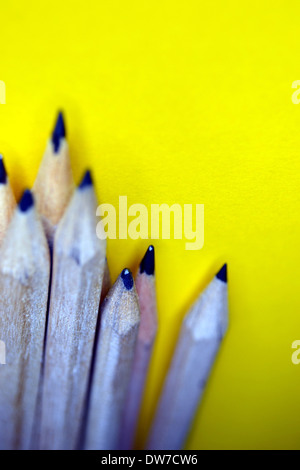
x=106 y=409
x=134 y=395
x=120 y=319
x=73 y=315
x=24 y=281
x=201 y=334
x=181 y=394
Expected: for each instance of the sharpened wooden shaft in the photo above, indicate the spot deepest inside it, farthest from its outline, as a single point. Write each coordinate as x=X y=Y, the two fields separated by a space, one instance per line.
x=145 y=287
x=24 y=281
x=106 y=284
x=78 y=266
x=7 y=200
x=54 y=183
x=201 y=334
x=113 y=362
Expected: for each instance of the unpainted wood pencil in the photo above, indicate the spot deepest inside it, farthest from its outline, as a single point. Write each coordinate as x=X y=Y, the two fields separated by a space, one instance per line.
x=120 y=317
x=7 y=200
x=54 y=183
x=106 y=284
x=78 y=266
x=24 y=280
x=201 y=334
x=145 y=287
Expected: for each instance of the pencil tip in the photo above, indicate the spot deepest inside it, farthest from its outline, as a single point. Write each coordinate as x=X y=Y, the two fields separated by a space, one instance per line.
x=86 y=180
x=3 y=174
x=127 y=279
x=222 y=274
x=147 y=263
x=59 y=132
x=26 y=201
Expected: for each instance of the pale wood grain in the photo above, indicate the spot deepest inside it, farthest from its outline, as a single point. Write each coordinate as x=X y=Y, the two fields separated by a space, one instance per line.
x=145 y=286
x=53 y=187
x=7 y=207
x=24 y=280
x=201 y=334
x=120 y=319
x=78 y=267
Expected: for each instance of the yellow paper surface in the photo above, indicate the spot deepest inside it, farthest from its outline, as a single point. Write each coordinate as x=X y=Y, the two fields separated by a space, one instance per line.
x=182 y=102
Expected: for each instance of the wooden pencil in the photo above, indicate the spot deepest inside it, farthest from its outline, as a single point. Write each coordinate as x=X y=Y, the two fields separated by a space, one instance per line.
x=24 y=280
x=7 y=200
x=120 y=319
x=106 y=284
x=145 y=287
x=54 y=183
x=201 y=334
x=78 y=266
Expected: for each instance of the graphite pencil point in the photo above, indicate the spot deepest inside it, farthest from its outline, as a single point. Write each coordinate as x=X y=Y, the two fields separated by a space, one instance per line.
x=145 y=288
x=54 y=185
x=127 y=279
x=59 y=132
x=114 y=355
x=222 y=274
x=201 y=334
x=86 y=180
x=3 y=174
x=147 y=263
x=26 y=201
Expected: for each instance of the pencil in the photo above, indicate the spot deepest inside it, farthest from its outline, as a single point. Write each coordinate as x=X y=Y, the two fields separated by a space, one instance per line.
x=120 y=319
x=201 y=334
x=106 y=284
x=78 y=266
x=24 y=279
x=54 y=183
x=7 y=200
x=145 y=287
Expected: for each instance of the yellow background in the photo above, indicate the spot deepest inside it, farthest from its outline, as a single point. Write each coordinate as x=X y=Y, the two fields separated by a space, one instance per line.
x=186 y=102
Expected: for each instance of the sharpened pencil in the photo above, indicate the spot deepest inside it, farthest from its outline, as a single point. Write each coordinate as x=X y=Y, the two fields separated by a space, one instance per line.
x=106 y=285
x=120 y=319
x=145 y=287
x=54 y=183
x=201 y=334
x=78 y=267
x=24 y=281
x=7 y=200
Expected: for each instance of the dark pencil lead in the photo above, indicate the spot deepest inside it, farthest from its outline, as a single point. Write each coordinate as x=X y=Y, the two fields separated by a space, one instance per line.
x=59 y=132
x=222 y=274
x=86 y=180
x=127 y=279
x=147 y=263
x=3 y=174
x=26 y=201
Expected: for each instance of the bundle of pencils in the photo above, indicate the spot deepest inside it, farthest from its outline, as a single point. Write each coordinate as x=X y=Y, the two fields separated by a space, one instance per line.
x=78 y=350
